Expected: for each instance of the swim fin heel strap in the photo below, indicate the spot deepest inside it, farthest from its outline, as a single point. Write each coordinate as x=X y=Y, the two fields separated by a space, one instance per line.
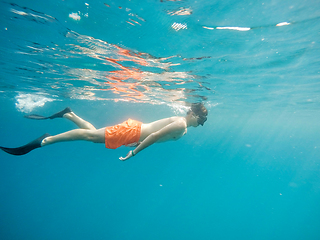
x=56 y=115
x=26 y=148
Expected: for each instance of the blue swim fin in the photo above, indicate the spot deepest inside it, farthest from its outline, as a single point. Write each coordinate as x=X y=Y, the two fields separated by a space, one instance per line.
x=26 y=148
x=56 y=115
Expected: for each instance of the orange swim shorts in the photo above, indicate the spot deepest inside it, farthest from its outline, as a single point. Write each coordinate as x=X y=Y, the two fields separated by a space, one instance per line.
x=123 y=134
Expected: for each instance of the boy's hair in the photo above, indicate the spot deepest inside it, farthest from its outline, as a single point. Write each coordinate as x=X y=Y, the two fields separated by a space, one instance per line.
x=199 y=109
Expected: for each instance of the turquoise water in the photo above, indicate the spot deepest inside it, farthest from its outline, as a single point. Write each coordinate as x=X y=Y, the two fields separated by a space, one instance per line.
x=251 y=172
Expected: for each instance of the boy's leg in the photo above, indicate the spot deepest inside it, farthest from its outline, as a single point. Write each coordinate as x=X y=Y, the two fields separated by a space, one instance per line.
x=87 y=132
x=96 y=136
x=78 y=121
x=68 y=114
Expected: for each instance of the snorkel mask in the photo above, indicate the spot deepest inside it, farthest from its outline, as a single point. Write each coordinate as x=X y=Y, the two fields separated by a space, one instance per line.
x=201 y=119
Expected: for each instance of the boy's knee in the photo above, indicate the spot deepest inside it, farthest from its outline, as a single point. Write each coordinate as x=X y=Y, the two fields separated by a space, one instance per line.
x=95 y=136
x=90 y=135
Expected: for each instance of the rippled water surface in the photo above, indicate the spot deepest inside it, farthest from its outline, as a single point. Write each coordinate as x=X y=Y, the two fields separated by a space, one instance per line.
x=246 y=53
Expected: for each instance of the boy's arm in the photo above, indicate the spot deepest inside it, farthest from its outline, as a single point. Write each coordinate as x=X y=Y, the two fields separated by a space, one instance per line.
x=175 y=127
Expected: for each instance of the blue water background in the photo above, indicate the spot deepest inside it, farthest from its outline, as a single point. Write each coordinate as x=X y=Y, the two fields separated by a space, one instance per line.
x=251 y=172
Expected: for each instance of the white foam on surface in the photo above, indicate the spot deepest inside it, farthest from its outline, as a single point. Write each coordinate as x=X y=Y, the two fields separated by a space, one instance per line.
x=282 y=24
x=234 y=28
x=74 y=16
x=27 y=102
